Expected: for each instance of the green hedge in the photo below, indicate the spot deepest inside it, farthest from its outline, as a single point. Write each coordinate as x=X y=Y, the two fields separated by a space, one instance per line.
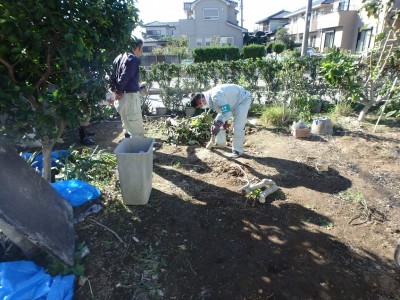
x=208 y=54
x=253 y=51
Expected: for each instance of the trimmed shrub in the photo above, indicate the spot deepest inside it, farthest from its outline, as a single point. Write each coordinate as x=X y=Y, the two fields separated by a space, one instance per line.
x=253 y=51
x=207 y=54
x=268 y=47
x=278 y=47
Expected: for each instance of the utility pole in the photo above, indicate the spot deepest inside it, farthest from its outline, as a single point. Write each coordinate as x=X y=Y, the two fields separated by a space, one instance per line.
x=241 y=13
x=306 y=27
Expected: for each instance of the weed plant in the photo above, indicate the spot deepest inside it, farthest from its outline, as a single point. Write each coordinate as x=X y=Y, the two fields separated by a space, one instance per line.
x=274 y=116
x=344 y=109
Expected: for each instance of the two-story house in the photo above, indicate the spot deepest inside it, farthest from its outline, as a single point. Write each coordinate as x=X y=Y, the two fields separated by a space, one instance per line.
x=208 y=22
x=335 y=23
x=155 y=33
x=272 y=23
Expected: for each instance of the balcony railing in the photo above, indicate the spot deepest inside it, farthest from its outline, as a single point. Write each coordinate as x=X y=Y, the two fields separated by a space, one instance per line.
x=330 y=11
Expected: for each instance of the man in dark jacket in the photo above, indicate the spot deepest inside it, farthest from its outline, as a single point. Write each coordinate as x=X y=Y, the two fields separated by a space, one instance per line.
x=127 y=89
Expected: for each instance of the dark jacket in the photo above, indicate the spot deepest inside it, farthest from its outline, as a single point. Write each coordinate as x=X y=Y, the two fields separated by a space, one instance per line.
x=127 y=73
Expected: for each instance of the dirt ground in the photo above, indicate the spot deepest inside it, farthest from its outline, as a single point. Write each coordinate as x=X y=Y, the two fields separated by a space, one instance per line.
x=199 y=238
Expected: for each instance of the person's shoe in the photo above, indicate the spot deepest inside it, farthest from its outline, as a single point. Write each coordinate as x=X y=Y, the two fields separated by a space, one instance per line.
x=88 y=142
x=236 y=154
x=90 y=133
x=127 y=135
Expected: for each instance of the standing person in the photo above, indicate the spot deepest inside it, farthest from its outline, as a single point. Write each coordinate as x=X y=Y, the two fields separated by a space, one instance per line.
x=228 y=100
x=84 y=133
x=127 y=90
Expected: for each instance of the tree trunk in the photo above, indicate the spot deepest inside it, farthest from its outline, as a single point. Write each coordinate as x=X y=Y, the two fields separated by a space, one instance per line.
x=47 y=146
x=364 y=111
x=369 y=101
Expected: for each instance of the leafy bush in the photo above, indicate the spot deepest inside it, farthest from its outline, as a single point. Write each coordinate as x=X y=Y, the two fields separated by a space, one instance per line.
x=256 y=110
x=253 y=51
x=303 y=105
x=278 y=47
x=88 y=165
x=268 y=47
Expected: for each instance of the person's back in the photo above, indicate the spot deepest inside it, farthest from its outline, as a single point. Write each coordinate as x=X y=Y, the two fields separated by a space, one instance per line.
x=127 y=89
x=126 y=73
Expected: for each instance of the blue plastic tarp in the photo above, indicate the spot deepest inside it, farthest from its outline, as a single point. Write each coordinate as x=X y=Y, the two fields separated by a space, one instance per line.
x=56 y=157
x=75 y=191
x=26 y=280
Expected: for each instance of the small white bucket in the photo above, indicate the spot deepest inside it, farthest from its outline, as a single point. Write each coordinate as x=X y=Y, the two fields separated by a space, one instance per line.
x=220 y=139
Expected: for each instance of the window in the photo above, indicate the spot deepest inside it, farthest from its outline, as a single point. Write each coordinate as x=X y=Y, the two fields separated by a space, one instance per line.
x=329 y=39
x=314 y=14
x=199 y=42
x=226 y=41
x=147 y=49
x=313 y=40
x=363 y=40
x=210 y=14
x=207 y=41
x=344 y=5
x=153 y=32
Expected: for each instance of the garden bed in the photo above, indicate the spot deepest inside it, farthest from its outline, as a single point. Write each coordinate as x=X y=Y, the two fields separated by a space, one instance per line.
x=329 y=232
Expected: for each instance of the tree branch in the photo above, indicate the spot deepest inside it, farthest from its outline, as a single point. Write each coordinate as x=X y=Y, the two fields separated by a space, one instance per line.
x=48 y=69
x=10 y=69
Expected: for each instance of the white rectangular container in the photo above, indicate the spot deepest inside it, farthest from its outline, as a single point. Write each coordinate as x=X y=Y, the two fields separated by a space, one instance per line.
x=135 y=169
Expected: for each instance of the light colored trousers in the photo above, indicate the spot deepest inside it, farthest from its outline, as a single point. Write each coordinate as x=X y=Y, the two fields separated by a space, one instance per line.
x=239 y=124
x=129 y=108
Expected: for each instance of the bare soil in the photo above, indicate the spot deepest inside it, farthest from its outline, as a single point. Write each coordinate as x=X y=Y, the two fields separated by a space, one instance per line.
x=199 y=238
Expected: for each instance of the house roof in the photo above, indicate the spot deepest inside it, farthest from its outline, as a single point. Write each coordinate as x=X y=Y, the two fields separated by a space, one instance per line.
x=228 y=2
x=314 y=5
x=160 y=24
x=279 y=15
x=236 y=26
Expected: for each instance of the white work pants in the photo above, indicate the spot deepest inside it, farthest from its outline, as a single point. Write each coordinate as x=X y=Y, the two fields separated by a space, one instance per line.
x=129 y=108
x=239 y=124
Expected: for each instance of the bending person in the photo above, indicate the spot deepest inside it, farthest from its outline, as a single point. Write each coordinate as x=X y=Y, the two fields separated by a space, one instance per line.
x=228 y=100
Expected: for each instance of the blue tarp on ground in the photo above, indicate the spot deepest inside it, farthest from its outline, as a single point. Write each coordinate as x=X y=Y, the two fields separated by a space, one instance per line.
x=26 y=280
x=76 y=192
x=38 y=160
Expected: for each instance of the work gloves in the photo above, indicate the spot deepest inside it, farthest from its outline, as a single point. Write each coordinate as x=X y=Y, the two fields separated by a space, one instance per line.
x=216 y=127
x=226 y=125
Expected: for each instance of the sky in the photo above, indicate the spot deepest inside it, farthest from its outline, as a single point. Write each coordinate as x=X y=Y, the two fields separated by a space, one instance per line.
x=253 y=10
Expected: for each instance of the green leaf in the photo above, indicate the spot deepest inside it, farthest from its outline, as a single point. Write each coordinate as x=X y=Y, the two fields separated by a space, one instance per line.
x=390 y=113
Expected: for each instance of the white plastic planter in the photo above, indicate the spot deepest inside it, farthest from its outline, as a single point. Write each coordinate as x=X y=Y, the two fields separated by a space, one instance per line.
x=322 y=126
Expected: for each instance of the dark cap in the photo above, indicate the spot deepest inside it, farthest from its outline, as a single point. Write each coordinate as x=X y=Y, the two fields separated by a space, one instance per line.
x=196 y=99
x=137 y=42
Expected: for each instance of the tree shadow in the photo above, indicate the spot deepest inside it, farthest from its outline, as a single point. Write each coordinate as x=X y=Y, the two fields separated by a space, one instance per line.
x=373 y=137
x=293 y=174
x=218 y=247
